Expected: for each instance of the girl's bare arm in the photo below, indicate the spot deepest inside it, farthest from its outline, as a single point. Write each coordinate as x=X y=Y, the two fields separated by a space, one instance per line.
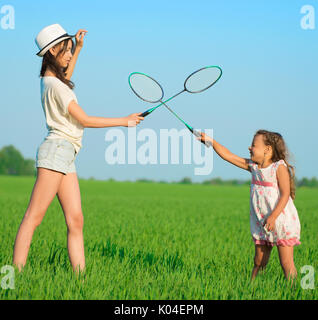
x=284 y=190
x=226 y=154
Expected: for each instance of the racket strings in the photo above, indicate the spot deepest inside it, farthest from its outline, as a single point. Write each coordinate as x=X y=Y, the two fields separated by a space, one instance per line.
x=202 y=79
x=145 y=87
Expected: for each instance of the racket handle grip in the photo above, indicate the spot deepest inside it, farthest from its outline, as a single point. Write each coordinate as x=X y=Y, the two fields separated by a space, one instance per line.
x=197 y=134
x=145 y=113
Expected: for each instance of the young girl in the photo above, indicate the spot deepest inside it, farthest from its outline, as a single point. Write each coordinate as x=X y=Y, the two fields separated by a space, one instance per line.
x=273 y=216
x=65 y=120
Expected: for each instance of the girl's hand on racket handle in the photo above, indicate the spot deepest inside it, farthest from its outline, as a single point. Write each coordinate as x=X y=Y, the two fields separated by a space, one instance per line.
x=133 y=119
x=205 y=139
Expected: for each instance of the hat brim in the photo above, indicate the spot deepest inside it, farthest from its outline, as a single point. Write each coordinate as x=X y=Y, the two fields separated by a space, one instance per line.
x=42 y=52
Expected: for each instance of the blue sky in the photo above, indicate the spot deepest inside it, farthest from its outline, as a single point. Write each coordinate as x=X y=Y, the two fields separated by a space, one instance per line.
x=269 y=75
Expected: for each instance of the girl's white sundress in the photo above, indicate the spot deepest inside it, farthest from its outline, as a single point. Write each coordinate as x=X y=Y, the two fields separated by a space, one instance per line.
x=264 y=197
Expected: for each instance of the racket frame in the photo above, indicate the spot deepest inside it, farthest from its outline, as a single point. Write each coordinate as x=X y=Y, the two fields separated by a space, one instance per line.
x=139 y=96
x=147 y=112
x=193 y=131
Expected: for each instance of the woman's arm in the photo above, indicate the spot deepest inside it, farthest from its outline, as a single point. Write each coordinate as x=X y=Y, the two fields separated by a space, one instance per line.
x=100 y=122
x=284 y=189
x=226 y=154
x=79 y=45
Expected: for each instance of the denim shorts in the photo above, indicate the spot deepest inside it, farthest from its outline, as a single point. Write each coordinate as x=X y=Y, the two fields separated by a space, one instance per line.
x=56 y=154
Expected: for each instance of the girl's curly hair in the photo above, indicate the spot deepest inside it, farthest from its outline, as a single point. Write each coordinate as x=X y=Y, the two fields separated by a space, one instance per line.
x=280 y=152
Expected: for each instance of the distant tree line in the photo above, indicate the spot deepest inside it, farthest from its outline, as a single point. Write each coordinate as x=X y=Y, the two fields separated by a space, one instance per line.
x=12 y=162
x=304 y=182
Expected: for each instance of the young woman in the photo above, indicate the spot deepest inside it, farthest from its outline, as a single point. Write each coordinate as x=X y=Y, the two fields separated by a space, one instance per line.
x=65 y=120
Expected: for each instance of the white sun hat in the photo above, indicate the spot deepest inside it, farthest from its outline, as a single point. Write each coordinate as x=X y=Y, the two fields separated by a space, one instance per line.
x=49 y=37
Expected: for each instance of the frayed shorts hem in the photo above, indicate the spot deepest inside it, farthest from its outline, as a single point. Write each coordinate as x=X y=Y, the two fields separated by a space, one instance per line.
x=46 y=165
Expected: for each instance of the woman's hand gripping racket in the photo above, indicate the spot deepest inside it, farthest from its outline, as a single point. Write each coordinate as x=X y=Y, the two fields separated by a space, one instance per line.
x=148 y=89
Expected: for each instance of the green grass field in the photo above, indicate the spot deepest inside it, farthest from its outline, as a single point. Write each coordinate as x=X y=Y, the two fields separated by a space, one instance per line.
x=152 y=241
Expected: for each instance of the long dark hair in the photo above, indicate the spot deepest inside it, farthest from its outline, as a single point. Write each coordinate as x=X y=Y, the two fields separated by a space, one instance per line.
x=49 y=62
x=280 y=152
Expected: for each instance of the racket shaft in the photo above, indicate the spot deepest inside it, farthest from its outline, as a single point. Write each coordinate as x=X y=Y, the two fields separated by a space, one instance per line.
x=147 y=112
x=196 y=133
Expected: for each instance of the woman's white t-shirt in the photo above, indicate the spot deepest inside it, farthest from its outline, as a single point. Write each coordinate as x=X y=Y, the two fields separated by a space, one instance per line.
x=55 y=97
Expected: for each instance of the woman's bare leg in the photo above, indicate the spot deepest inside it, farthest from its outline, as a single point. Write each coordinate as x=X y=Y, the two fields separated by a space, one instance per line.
x=70 y=200
x=44 y=191
x=262 y=254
